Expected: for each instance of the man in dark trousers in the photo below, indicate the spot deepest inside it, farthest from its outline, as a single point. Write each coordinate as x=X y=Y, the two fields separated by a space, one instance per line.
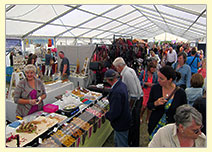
x=64 y=66
x=135 y=99
x=119 y=113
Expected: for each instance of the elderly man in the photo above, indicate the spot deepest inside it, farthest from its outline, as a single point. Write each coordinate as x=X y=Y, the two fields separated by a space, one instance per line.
x=135 y=92
x=185 y=132
x=119 y=113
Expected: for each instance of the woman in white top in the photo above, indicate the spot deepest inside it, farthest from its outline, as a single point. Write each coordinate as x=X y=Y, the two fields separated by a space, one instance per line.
x=185 y=132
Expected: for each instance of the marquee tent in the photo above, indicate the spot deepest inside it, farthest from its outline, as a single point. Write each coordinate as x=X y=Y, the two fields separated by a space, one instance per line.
x=101 y=22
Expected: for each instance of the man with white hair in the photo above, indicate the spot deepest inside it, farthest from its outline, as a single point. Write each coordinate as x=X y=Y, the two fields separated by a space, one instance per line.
x=171 y=56
x=135 y=92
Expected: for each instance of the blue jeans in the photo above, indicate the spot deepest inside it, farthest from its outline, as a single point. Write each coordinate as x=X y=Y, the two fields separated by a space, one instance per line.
x=121 y=138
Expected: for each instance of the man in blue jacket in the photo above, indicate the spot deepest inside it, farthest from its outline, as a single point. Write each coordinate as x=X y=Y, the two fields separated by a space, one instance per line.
x=119 y=113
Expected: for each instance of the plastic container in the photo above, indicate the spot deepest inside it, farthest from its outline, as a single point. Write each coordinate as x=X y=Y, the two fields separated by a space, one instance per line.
x=50 y=108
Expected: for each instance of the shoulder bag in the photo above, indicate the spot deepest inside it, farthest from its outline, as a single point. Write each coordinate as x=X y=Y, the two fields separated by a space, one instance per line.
x=162 y=122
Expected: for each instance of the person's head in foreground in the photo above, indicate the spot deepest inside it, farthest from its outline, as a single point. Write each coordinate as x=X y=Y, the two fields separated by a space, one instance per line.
x=185 y=132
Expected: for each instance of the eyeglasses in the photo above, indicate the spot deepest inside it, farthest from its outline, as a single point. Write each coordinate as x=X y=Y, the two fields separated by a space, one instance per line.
x=196 y=131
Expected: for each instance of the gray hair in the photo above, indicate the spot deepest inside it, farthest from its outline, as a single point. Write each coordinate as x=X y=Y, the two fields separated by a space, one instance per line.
x=119 y=61
x=30 y=67
x=185 y=114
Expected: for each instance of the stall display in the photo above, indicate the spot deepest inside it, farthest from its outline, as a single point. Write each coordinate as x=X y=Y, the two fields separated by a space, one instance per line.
x=16 y=77
x=79 y=78
x=72 y=133
x=61 y=130
x=19 y=63
x=31 y=130
x=52 y=90
x=84 y=70
x=86 y=94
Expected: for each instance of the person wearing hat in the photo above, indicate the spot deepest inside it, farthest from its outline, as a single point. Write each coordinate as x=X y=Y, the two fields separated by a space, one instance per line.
x=119 y=113
x=135 y=91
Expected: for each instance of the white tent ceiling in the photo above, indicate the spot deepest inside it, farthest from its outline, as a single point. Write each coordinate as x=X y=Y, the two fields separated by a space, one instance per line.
x=103 y=21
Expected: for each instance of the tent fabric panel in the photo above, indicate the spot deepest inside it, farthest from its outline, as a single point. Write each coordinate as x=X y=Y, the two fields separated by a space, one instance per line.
x=124 y=9
x=103 y=21
x=18 y=28
x=129 y=17
x=202 y=20
x=92 y=33
x=176 y=12
x=72 y=20
x=110 y=25
x=96 y=22
x=37 y=14
x=49 y=30
x=121 y=27
x=97 y=9
x=104 y=35
x=76 y=32
x=137 y=21
x=193 y=7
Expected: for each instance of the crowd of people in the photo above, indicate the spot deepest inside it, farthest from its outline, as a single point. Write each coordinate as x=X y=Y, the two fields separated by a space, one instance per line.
x=170 y=88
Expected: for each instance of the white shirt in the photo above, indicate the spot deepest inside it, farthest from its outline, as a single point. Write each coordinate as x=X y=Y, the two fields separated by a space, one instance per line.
x=172 y=57
x=167 y=137
x=132 y=82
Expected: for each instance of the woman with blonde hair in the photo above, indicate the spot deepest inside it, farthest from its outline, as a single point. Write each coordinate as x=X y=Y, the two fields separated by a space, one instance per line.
x=29 y=93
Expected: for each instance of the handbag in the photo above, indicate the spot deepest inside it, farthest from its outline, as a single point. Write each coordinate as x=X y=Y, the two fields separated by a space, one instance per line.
x=162 y=122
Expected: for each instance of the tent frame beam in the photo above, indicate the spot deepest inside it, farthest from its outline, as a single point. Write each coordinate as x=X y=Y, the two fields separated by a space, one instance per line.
x=86 y=20
x=48 y=22
x=187 y=20
x=185 y=10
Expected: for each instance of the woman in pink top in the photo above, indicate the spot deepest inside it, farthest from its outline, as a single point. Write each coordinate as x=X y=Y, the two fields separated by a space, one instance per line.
x=202 y=70
x=147 y=78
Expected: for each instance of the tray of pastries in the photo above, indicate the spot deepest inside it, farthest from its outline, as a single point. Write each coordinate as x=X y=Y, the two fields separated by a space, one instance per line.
x=28 y=131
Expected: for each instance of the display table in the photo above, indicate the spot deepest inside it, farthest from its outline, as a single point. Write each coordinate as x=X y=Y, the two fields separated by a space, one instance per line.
x=52 y=91
x=98 y=138
x=86 y=128
x=80 y=81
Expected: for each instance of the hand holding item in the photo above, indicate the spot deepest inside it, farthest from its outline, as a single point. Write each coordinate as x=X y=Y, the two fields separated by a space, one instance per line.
x=39 y=100
x=160 y=101
x=33 y=101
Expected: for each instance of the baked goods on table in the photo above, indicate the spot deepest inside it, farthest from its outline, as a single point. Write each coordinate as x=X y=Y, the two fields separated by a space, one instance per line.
x=28 y=132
